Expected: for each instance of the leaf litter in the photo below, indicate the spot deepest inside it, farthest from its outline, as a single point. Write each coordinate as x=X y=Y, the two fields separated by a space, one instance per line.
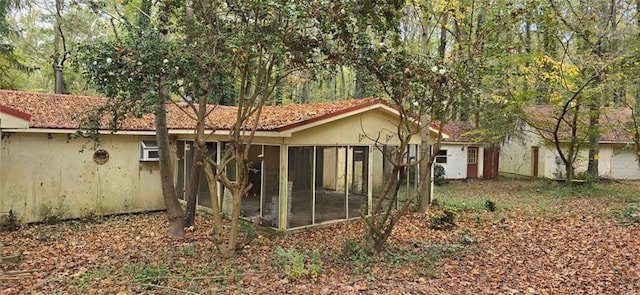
x=573 y=245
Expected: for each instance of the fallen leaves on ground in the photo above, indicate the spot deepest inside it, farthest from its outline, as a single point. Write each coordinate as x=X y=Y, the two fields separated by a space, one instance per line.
x=574 y=247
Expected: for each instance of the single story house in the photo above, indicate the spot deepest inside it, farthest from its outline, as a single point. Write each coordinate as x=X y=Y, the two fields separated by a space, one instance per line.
x=533 y=153
x=463 y=157
x=312 y=163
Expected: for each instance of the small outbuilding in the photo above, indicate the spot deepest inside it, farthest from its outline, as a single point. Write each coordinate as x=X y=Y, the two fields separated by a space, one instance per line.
x=463 y=156
x=533 y=152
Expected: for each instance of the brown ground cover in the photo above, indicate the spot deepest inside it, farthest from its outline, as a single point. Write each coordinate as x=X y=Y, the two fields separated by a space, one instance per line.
x=541 y=239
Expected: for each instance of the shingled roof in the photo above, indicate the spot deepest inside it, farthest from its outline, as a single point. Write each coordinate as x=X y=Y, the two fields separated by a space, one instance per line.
x=615 y=122
x=459 y=131
x=56 y=111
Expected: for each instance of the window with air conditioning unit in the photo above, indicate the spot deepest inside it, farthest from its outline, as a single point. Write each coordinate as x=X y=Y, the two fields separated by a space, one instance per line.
x=149 y=150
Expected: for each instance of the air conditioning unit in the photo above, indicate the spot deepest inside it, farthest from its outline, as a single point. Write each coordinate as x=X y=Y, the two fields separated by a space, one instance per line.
x=149 y=150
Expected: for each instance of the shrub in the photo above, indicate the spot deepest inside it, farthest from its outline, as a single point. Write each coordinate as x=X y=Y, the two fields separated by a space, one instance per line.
x=297 y=265
x=438 y=174
x=52 y=215
x=9 y=222
x=490 y=205
x=443 y=220
x=358 y=256
x=149 y=273
x=629 y=215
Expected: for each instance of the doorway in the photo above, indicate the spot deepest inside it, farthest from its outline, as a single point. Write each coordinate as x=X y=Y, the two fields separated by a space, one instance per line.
x=472 y=162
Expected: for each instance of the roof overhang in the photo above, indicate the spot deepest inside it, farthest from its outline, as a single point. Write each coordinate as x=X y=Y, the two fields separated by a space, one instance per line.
x=145 y=132
x=282 y=132
x=287 y=130
x=13 y=119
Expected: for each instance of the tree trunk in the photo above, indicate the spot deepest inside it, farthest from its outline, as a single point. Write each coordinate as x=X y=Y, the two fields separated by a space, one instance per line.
x=59 y=52
x=305 y=91
x=594 y=140
x=425 y=167
x=358 y=91
x=343 y=84
x=442 y=48
x=194 y=186
x=332 y=85
x=174 y=211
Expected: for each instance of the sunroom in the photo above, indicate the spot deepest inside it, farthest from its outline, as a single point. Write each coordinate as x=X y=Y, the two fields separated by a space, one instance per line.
x=325 y=167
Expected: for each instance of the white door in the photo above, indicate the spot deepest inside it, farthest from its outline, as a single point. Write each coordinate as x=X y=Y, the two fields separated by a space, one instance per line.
x=624 y=165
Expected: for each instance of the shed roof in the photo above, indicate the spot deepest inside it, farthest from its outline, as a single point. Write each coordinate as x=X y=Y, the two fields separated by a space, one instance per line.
x=616 y=123
x=459 y=131
x=58 y=111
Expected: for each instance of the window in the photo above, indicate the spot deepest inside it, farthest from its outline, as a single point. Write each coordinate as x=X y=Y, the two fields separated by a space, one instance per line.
x=441 y=157
x=149 y=150
x=472 y=155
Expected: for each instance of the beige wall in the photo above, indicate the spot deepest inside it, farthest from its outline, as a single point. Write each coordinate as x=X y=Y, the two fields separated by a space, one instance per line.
x=516 y=154
x=516 y=158
x=352 y=130
x=47 y=174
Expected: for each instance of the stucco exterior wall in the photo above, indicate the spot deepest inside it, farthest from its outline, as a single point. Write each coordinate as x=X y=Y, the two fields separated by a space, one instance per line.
x=456 y=165
x=554 y=168
x=624 y=163
x=352 y=130
x=616 y=160
x=516 y=155
x=46 y=174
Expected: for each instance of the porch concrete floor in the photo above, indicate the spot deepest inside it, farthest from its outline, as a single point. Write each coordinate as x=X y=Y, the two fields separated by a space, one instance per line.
x=330 y=205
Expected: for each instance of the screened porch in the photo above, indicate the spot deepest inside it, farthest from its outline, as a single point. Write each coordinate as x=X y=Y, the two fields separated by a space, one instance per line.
x=310 y=184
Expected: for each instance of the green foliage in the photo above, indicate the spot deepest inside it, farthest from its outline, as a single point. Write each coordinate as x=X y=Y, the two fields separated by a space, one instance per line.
x=423 y=258
x=438 y=174
x=584 y=177
x=127 y=70
x=490 y=205
x=11 y=64
x=156 y=274
x=50 y=214
x=443 y=220
x=359 y=257
x=9 y=222
x=85 y=280
x=187 y=250
x=298 y=265
x=630 y=214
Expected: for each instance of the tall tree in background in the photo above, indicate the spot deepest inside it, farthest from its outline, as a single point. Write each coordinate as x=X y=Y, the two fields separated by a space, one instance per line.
x=136 y=72
x=60 y=53
x=591 y=35
x=9 y=60
x=40 y=29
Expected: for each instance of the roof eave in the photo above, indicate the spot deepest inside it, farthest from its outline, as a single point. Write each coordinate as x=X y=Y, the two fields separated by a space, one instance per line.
x=142 y=132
